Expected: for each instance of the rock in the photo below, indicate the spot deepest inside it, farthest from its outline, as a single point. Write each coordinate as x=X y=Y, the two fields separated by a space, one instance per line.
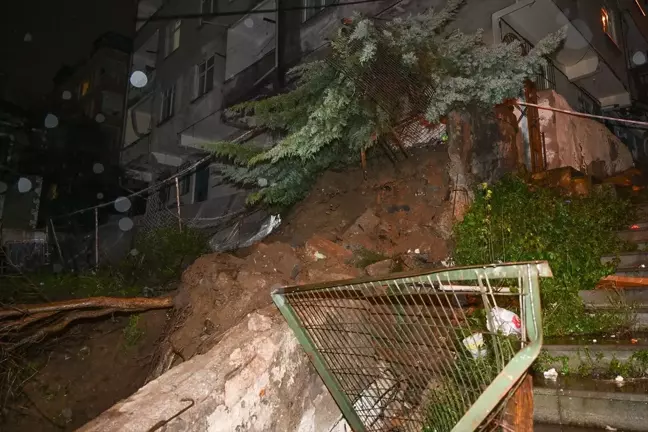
x=365 y=224
x=583 y=144
x=256 y=379
x=319 y=248
x=381 y=268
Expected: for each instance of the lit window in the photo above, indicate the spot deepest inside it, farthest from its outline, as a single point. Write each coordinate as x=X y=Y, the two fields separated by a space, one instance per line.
x=83 y=88
x=205 y=76
x=312 y=7
x=609 y=24
x=168 y=97
x=172 y=37
x=207 y=7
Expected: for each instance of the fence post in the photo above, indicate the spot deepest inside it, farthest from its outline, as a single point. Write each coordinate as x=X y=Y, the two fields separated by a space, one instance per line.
x=177 y=184
x=341 y=399
x=58 y=246
x=96 y=212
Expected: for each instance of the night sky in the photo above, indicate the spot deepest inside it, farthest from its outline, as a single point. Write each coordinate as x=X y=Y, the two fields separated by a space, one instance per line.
x=62 y=33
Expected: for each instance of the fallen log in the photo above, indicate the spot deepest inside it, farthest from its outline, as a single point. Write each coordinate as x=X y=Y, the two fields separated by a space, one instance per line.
x=119 y=304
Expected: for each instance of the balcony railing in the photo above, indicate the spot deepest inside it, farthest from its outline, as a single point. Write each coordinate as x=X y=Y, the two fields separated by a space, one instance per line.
x=136 y=150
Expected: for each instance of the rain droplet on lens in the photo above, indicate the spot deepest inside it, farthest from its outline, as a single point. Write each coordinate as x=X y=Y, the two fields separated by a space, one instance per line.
x=97 y=168
x=100 y=195
x=134 y=252
x=122 y=204
x=24 y=185
x=66 y=95
x=57 y=268
x=126 y=224
x=51 y=121
x=138 y=79
x=100 y=118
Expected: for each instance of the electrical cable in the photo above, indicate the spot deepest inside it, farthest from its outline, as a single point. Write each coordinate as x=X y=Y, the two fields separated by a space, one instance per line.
x=250 y=11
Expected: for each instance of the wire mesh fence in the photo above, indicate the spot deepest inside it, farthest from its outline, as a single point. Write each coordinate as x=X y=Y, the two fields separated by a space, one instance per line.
x=435 y=351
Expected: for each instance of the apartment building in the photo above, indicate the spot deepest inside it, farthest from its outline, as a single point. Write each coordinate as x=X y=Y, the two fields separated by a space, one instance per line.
x=197 y=66
x=96 y=88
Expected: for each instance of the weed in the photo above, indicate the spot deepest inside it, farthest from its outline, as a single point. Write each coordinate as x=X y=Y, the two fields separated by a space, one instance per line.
x=132 y=332
x=511 y=221
x=364 y=257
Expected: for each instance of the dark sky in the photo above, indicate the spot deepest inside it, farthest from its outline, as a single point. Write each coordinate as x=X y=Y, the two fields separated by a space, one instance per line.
x=62 y=33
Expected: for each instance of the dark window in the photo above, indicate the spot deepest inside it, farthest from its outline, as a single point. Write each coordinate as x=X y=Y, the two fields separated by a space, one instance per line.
x=168 y=97
x=207 y=7
x=201 y=190
x=205 y=72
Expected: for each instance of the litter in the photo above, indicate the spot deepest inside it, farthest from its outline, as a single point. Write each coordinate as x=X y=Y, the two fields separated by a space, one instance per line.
x=551 y=374
x=475 y=344
x=500 y=320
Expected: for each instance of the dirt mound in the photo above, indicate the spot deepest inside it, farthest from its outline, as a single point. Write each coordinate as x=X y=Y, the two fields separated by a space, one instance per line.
x=348 y=227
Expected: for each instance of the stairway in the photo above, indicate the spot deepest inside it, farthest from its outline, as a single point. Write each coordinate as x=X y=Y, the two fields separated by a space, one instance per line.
x=630 y=267
x=598 y=403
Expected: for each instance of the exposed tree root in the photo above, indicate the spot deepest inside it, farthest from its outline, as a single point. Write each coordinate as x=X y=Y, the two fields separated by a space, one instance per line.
x=118 y=303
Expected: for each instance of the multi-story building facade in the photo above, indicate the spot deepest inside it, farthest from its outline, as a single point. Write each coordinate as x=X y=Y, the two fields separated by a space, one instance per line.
x=96 y=88
x=195 y=67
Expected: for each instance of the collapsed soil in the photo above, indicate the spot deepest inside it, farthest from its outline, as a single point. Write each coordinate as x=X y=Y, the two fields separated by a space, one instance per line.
x=84 y=371
x=395 y=219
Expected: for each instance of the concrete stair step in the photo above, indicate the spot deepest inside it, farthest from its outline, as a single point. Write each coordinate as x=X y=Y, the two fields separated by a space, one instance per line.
x=627 y=259
x=596 y=351
x=633 y=301
x=585 y=402
x=636 y=272
x=634 y=236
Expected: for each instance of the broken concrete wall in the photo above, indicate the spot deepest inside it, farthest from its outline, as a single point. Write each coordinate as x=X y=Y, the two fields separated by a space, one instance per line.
x=256 y=379
x=581 y=143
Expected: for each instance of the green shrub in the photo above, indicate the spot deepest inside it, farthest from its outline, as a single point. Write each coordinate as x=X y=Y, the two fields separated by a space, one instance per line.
x=161 y=257
x=512 y=221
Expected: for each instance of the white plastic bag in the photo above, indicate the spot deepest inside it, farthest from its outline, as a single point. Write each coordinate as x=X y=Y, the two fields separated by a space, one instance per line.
x=503 y=321
x=475 y=344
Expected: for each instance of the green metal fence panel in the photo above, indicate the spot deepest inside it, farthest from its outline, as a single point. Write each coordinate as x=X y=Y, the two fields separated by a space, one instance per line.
x=435 y=351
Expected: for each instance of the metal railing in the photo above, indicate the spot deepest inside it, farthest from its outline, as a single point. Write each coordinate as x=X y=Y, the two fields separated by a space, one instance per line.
x=425 y=351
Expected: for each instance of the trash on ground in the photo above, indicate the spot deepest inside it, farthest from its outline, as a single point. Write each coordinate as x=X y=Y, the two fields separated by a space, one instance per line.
x=475 y=344
x=500 y=320
x=551 y=374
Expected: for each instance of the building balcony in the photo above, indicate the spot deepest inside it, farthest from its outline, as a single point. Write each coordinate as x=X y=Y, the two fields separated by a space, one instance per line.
x=135 y=152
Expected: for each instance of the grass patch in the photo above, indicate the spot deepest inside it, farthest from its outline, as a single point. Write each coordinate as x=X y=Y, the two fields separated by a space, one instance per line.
x=512 y=221
x=132 y=332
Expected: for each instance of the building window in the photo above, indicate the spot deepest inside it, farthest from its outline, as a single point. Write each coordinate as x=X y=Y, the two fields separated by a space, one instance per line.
x=83 y=88
x=207 y=7
x=205 y=77
x=172 y=37
x=313 y=7
x=201 y=189
x=168 y=97
x=609 y=24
